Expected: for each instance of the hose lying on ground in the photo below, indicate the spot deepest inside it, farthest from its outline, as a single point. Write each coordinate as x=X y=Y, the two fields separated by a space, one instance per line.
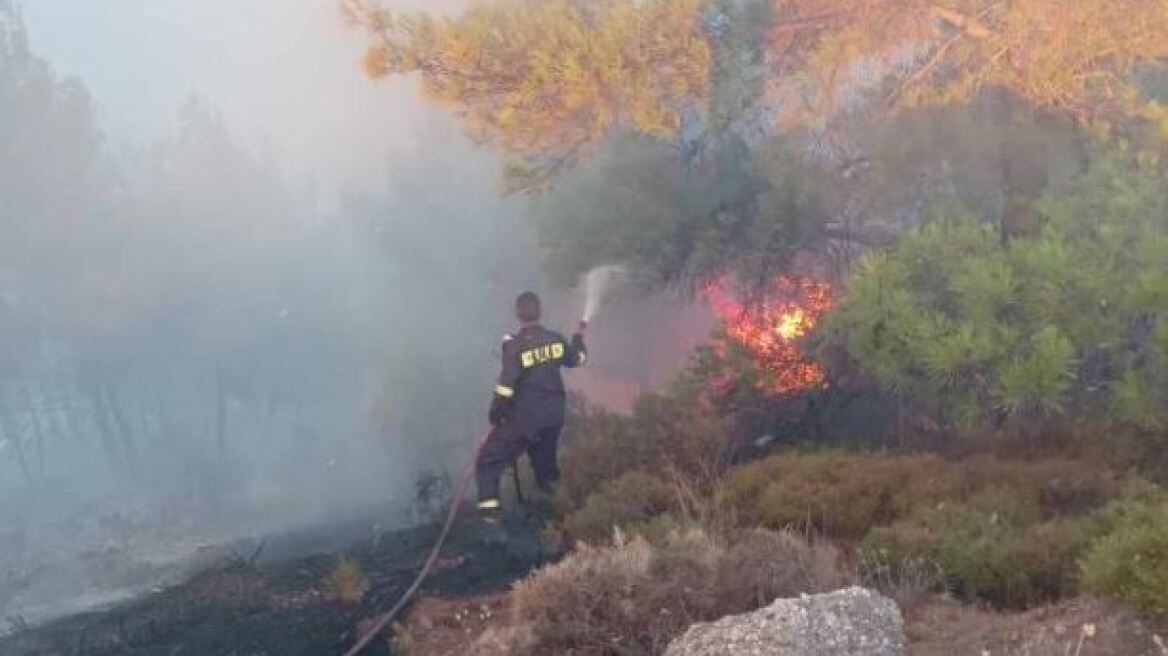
x=459 y=493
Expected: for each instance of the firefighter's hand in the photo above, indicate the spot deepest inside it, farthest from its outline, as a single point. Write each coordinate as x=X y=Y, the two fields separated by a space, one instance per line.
x=498 y=415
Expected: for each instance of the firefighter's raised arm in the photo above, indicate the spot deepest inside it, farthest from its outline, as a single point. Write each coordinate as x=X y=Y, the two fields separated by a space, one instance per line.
x=508 y=381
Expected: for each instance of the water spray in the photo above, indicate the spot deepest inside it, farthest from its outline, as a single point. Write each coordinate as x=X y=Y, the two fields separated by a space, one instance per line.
x=596 y=284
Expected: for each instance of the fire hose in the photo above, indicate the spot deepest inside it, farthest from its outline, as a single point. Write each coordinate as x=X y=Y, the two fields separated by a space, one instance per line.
x=459 y=493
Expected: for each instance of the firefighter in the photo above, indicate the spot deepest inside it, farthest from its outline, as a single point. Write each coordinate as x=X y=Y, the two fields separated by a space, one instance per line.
x=527 y=411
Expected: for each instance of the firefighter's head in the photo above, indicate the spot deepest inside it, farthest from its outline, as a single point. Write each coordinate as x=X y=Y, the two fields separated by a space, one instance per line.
x=527 y=308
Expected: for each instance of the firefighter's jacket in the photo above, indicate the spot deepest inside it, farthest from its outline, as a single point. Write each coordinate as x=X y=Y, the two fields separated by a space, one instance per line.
x=530 y=392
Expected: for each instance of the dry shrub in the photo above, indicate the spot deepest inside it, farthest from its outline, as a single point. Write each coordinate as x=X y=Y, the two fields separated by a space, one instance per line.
x=589 y=456
x=663 y=434
x=1119 y=447
x=633 y=597
x=836 y=494
x=846 y=495
x=910 y=582
x=346 y=583
x=761 y=566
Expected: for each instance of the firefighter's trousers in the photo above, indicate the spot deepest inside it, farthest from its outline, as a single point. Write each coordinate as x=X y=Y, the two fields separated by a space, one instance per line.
x=503 y=448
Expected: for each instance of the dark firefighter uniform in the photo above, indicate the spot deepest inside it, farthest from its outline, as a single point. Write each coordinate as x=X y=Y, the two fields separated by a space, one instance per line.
x=527 y=411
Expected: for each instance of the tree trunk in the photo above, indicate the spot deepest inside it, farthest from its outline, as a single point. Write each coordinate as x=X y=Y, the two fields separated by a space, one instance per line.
x=125 y=432
x=72 y=423
x=52 y=417
x=165 y=429
x=105 y=430
x=38 y=431
x=220 y=411
x=16 y=438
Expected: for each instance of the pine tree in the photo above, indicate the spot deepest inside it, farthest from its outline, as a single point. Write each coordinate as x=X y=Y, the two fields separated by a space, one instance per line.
x=547 y=80
x=1068 y=321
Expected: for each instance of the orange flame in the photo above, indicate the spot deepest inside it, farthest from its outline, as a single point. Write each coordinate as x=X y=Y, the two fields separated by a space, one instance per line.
x=770 y=330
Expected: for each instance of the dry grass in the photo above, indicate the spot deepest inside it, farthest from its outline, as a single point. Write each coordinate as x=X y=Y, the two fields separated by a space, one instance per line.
x=633 y=597
x=909 y=582
x=346 y=583
x=1081 y=627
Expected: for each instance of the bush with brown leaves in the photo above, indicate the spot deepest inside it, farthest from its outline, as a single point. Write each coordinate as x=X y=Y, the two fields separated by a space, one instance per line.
x=633 y=597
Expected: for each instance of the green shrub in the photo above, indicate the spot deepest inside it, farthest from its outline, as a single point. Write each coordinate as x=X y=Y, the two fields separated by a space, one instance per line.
x=634 y=498
x=1049 y=553
x=968 y=545
x=1130 y=564
x=995 y=546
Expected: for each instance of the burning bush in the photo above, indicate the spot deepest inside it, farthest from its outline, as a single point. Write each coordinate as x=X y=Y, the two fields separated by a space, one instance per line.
x=634 y=598
x=769 y=332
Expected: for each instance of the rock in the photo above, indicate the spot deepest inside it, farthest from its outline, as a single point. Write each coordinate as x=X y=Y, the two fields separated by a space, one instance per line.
x=851 y=622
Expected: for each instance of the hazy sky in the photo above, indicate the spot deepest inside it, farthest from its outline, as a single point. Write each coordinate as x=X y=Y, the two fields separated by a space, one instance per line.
x=285 y=74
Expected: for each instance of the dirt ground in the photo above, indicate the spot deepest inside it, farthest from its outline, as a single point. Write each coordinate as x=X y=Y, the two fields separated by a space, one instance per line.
x=1074 y=628
x=448 y=627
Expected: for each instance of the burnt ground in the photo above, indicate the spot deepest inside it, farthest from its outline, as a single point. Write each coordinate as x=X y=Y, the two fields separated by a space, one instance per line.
x=284 y=607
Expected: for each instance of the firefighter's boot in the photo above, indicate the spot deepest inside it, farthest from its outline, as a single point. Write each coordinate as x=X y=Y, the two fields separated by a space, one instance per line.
x=490 y=523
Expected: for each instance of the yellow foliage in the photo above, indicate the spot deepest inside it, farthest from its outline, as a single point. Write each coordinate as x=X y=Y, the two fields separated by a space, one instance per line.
x=1072 y=55
x=547 y=79
x=346 y=582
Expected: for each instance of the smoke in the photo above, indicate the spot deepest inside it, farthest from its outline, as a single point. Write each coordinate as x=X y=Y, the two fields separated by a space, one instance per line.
x=230 y=316
x=235 y=286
